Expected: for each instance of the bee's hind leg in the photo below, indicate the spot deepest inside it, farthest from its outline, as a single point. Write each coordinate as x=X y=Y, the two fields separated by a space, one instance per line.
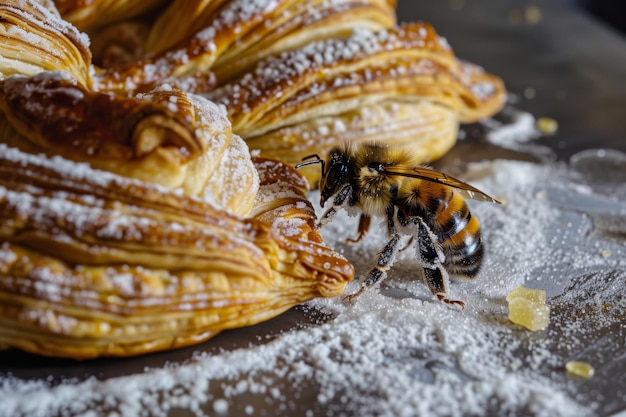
x=436 y=280
x=431 y=258
x=386 y=258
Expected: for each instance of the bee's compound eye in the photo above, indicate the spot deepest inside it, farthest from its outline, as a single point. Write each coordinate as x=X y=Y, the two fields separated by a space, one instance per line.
x=337 y=174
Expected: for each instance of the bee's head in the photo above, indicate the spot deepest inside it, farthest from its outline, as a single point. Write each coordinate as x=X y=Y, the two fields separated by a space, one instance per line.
x=335 y=176
x=335 y=173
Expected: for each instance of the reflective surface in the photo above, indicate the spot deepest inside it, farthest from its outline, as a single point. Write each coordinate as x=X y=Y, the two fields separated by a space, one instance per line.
x=564 y=65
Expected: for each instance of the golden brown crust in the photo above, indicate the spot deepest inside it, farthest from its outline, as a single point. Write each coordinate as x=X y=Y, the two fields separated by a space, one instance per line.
x=288 y=105
x=166 y=136
x=95 y=264
x=34 y=38
x=93 y=15
x=197 y=33
x=59 y=113
x=229 y=37
x=304 y=22
x=407 y=63
x=428 y=130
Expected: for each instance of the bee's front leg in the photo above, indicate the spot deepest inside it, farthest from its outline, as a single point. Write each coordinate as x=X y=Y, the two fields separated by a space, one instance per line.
x=340 y=200
x=386 y=258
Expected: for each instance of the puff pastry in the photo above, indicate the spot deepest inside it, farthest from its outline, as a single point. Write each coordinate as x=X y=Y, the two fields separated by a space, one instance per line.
x=305 y=101
x=93 y=15
x=95 y=264
x=166 y=137
x=193 y=37
x=34 y=38
x=132 y=215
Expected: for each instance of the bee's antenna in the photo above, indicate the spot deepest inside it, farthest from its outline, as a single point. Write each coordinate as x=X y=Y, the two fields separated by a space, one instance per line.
x=317 y=160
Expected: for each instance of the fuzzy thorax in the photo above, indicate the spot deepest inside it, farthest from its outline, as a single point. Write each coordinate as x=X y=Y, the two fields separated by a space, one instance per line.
x=374 y=191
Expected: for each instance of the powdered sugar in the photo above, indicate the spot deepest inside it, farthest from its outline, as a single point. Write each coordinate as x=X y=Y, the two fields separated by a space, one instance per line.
x=398 y=352
x=234 y=164
x=521 y=130
x=7 y=256
x=68 y=169
x=49 y=18
x=275 y=73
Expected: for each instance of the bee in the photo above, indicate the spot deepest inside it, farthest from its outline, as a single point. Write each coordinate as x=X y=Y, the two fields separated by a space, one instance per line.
x=426 y=205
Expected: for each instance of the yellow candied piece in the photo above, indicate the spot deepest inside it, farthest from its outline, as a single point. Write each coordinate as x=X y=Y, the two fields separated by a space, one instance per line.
x=579 y=369
x=536 y=296
x=527 y=307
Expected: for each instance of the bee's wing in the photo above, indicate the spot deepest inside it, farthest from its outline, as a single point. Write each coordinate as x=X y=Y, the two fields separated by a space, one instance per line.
x=427 y=174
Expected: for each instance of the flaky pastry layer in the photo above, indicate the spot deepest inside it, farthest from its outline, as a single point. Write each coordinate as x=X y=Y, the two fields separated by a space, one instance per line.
x=95 y=264
x=166 y=136
x=34 y=38
x=428 y=130
x=288 y=104
x=193 y=37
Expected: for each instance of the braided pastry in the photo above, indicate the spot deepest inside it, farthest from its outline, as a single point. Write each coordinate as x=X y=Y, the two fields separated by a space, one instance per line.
x=132 y=215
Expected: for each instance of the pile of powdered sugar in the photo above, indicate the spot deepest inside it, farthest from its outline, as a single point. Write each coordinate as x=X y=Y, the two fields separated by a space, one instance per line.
x=398 y=352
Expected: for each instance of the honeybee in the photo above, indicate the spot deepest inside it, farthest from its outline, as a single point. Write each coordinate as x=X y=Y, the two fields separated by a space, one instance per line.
x=427 y=205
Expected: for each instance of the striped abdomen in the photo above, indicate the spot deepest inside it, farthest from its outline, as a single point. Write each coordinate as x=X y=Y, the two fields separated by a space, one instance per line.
x=449 y=218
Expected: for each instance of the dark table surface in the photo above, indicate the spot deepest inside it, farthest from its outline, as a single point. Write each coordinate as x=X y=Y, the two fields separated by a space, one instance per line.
x=565 y=65
x=574 y=64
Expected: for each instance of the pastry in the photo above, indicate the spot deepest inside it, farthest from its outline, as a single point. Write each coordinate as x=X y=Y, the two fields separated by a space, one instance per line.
x=34 y=38
x=95 y=264
x=167 y=137
x=308 y=100
x=190 y=38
